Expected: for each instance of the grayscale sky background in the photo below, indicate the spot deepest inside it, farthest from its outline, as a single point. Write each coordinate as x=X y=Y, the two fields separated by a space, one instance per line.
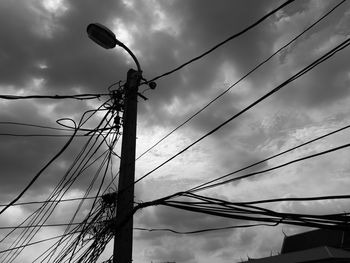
x=44 y=50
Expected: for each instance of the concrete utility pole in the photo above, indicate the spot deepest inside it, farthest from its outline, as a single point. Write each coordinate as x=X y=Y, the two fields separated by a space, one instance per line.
x=125 y=200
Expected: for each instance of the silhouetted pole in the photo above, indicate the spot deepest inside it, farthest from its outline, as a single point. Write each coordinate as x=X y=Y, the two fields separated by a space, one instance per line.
x=125 y=200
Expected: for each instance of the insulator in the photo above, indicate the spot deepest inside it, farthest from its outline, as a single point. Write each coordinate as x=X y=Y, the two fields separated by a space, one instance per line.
x=152 y=85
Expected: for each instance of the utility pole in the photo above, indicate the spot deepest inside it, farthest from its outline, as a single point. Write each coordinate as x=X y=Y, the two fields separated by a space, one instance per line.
x=122 y=252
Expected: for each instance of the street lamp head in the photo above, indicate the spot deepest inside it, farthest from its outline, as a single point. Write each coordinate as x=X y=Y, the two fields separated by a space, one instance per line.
x=106 y=39
x=102 y=36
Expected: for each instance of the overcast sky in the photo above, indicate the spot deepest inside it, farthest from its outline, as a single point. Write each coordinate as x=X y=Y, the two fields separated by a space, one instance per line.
x=44 y=50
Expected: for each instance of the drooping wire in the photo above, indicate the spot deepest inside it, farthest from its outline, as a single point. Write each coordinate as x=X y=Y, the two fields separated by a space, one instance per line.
x=269 y=169
x=66 y=182
x=52 y=251
x=51 y=201
x=226 y=40
x=242 y=211
x=77 y=96
x=39 y=173
x=203 y=185
x=40 y=225
x=242 y=78
x=34 y=243
x=306 y=69
x=200 y=231
x=82 y=225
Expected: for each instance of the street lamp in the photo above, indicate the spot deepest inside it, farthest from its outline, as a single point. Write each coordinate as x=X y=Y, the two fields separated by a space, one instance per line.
x=104 y=37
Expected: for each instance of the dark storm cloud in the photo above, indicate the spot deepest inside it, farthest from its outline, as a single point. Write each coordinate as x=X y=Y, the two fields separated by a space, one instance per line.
x=324 y=86
x=18 y=43
x=197 y=20
x=22 y=157
x=328 y=83
x=71 y=58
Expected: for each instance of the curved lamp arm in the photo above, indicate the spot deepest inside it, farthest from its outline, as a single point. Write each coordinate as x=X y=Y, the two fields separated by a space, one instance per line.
x=133 y=56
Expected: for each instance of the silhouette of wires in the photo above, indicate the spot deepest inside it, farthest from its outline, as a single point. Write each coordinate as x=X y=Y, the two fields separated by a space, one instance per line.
x=305 y=70
x=210 y=183
x=243 y=77
x=259 y=21
x=57 y=97
x=200 y=231
x=244 y=211
x=34 y=243
x=51 y=201
x=39 y=173
x=45 y=127
x=105 y=133
x=269 y=169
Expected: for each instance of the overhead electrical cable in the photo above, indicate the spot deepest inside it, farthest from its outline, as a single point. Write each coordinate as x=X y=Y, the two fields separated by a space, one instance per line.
x=241 y=211
x=242 y=78
x=45 y=135
x=52 y=201
x=36 y=242
x=77 y=96
x=271 y=168
x=296 y=199
x=226 y=40
x=54 y=249
x=39 y=173
x=67 y=188
x=40 y=225
x=269 y=158
x=27 y=241
x=96 y=130
x=306 y=69
x=29 y=234
x=33 y=125
x=95 y=140
x=202 y=230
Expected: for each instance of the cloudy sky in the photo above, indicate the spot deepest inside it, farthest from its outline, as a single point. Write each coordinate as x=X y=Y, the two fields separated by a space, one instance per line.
x=44 y=50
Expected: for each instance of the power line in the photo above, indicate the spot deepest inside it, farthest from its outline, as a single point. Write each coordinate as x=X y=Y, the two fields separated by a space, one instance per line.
x=241 y=211
x=77 y=96
x=225 y=41
x=270 y=158
x=39 y=225
x=37 y=242
x=247 y=211
x=65 y=181
x=242 y=78
x=33 y=125
x=296 y=199
x=306 y=69
x=200 y=230
x=52 y=201
x=39 y=173
x=68 y=129
x=272 y=168
x=45 y=135
x=62 y=183
x=41 y=135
